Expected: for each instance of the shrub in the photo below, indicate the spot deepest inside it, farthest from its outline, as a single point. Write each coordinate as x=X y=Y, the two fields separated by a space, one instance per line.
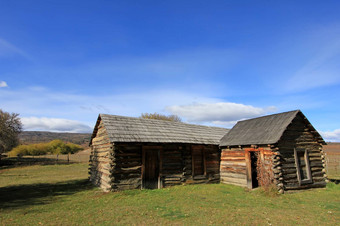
x=53 y=147
x=265 y=176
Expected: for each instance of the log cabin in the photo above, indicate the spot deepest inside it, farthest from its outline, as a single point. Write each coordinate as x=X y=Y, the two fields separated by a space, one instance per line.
x=135 y=153
x=283 y=150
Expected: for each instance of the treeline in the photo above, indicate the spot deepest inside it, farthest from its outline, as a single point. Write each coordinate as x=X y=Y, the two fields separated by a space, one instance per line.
x=52 y=147
x=35 y=137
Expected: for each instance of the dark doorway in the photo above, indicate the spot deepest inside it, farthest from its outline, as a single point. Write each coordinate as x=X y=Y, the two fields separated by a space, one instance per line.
x=198 y=161
x=151 y=169
x=253 y=160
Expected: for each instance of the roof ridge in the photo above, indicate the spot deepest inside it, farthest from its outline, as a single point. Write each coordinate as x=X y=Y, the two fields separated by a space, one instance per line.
x=160 y=120
x=132 y=129
x=271 y=115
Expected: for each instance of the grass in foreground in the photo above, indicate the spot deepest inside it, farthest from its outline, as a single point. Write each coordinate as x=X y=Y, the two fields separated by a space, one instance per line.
x=60 y=195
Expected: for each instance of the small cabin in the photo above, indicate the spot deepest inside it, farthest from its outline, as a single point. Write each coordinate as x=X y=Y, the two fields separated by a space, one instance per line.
x=136 y=153
x=283 y=150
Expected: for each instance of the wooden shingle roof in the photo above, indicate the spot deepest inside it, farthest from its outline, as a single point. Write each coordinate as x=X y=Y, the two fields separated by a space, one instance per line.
x=129 y=129
x=263 y=130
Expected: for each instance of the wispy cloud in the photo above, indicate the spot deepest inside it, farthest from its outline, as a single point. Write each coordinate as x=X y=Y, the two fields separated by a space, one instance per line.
x=3 y=84
x=85 y=108
x=8 y=49
x=321 y=66
x=54 y=125
x=331 y=136
x=222 y=113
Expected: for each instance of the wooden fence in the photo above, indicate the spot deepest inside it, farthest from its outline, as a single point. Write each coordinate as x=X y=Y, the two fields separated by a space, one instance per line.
x=333 y=165
x=72 y=158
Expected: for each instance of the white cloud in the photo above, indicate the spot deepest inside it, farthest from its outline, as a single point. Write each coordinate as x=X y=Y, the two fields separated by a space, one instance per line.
x=43 y=102
x=331 y=136
x=222 y=113
x=8 y=49
x=54 y=125
x=3 y=84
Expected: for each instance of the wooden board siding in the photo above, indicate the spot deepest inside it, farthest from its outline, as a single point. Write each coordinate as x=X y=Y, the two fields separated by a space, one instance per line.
x=233 y=167
x=100 y=167
x=299 y=136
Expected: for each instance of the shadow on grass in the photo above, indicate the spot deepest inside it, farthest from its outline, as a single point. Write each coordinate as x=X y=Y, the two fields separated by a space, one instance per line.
x=39 y=194
x=336 y=181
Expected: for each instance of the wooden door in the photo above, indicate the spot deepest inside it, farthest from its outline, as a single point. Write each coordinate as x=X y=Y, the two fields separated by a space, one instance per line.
x=198 y=161
x=151 y=167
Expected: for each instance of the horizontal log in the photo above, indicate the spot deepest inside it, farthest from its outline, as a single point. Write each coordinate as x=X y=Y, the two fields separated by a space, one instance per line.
x=126 y=159
x=233 y=158
x=106 y=145
x=297 y=187
x=234 y=175
x=239 y=181
x=128 y=164
x=121 y=187
x=232 y=164
x=123 y=176
x=101 y=180
x=102 y=154
x=130 y=181
x=318 y=179
x=133 y=155
x=104 y=175
x=101 y=159
x=232 y=183
x=100 y=141
x=317 y=174
x=225 y=154
x=233 y=169
x=290 y=176
x=127 y=148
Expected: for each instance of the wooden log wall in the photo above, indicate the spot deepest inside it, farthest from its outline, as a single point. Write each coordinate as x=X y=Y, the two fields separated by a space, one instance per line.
x=172 y=164
x=127 y=172
x=101 y=160
x=177 y=164
x=118 y=166
x=299 y=135
x=211 y=161
x=233 y=168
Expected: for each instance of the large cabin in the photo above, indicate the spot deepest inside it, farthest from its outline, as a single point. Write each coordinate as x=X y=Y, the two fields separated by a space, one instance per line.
x=281 y=149
x=135 y=153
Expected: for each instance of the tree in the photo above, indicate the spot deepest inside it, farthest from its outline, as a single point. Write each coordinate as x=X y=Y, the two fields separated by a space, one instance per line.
x=173 y=118
x=10 y=127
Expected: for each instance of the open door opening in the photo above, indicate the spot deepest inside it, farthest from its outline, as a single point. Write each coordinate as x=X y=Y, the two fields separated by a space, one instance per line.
x=253 y=163
x=151 y=169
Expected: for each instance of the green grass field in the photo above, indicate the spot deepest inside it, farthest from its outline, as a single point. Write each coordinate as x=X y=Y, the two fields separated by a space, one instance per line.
x=60 y=195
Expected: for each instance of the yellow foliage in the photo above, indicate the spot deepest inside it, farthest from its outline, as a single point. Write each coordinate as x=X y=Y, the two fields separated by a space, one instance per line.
x=53 y=147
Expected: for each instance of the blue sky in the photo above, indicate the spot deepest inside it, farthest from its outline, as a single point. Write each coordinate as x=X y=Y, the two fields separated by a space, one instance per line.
x=212 y=63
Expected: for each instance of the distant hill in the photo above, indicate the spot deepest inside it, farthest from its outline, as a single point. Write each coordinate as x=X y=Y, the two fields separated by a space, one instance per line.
x=332 y=147
x=32 y=137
